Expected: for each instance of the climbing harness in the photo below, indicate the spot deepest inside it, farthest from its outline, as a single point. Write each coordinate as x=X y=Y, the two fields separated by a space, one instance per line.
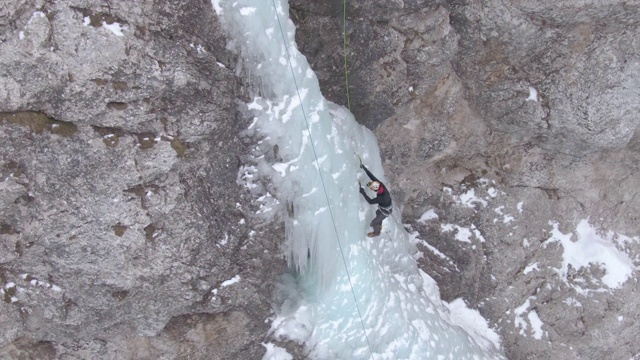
x=386 y=211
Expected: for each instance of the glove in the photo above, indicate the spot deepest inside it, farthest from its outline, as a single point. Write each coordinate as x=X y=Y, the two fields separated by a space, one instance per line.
x=362 y=191
x=361 y=166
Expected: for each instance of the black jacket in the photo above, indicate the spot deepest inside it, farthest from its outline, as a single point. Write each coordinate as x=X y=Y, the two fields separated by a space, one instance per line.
x=383 y=199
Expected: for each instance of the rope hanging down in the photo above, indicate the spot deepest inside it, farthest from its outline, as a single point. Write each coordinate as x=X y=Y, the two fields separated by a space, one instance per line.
x=335 y=228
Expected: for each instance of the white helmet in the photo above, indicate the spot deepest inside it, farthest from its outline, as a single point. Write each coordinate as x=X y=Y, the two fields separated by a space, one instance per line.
x=373 y=185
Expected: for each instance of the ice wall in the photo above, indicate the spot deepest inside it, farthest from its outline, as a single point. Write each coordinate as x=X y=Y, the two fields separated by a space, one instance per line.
x=349 y=296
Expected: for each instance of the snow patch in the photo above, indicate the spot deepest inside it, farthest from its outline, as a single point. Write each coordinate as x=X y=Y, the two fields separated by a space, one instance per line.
x=536 y=325
x=530 y=268
x=589 y=248
x=462 y=234
x=231 y=281
x=224 y=241
x=428 y=215
x=469 y=199
x=115 y=28
x=477 y=233
x=533 y=94
x=216 y=6
x=474 y=324
x=533 y=320
x=275 y=352
x=507 y=219
x=36 y=15
x=199 y=48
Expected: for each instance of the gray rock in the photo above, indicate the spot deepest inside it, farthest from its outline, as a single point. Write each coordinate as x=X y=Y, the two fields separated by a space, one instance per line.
x=121 y=212
x=123 y=209
x=446 y=87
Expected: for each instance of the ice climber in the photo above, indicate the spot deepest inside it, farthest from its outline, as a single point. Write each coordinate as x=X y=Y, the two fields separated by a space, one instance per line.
x=383 y=199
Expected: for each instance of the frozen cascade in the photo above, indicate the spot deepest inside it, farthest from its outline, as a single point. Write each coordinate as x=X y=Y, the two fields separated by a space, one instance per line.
x=327 y=219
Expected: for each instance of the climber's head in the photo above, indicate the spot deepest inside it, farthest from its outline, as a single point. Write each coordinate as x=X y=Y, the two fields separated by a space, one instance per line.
x=373 y=185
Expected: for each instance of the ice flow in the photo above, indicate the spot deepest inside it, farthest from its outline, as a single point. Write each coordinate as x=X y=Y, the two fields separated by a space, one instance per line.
x=346 y=296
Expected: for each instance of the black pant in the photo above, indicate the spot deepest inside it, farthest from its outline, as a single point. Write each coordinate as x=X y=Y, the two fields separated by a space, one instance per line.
x=376 y=223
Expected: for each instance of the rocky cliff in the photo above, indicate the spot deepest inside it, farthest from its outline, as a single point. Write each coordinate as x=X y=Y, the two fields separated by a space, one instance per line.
x=124 y=231
x=498 y=121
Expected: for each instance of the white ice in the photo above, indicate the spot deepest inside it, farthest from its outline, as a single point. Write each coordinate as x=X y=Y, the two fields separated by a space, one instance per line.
x=345 y=296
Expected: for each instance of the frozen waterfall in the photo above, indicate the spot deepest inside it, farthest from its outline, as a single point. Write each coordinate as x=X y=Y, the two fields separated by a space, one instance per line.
x=347 y=296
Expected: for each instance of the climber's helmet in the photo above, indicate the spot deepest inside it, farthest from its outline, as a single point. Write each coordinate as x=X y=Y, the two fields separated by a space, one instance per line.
x=373 y=185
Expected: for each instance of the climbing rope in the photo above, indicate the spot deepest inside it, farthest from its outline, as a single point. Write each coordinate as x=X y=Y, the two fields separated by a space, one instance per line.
x=335 y=228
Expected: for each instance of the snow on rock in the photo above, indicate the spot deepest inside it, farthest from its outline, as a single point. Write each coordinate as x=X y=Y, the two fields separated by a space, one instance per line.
x=275 y=353
x=463 y=234
x=533 y=94
x=469 y=199
x=474 y=323
x=231 y=281
x=428 y=215
x=216 y=7
x=534 y=321
x=584 y=248
x=536 y=325
x=530 y=268
x=418 y=255
x=115 y=28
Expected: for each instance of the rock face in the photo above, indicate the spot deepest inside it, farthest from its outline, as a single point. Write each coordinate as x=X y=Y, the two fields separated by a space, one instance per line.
x=121 y=218
x=125 y=234
x=507 y=120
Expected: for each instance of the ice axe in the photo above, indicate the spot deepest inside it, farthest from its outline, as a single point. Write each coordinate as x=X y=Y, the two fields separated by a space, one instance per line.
x=359 y=158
